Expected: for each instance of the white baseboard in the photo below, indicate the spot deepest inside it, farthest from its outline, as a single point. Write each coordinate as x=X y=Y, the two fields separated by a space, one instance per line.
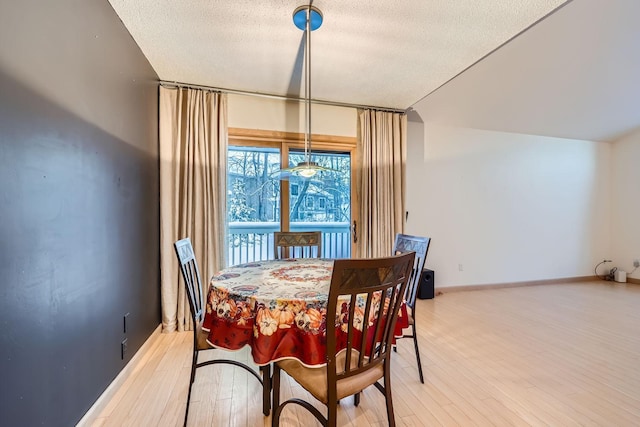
x=96 y=409
x=446 y=289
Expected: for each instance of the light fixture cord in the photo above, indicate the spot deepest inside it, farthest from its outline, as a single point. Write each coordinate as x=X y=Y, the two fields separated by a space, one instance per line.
x=307 y=91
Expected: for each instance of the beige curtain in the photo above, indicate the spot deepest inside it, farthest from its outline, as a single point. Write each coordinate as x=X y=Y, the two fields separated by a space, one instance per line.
x=193 y=164
x=380 y=180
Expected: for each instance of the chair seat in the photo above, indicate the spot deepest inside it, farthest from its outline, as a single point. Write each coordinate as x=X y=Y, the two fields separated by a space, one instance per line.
x=201 y=338
x=314 y=380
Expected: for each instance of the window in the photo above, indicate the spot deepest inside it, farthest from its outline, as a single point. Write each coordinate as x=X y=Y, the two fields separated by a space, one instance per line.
x=260 y=201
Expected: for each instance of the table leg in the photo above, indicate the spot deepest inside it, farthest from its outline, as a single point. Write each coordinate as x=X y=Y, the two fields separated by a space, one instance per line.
x=266 y=389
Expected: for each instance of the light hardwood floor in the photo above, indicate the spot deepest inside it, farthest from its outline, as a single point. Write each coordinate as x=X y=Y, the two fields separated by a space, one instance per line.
x=550 y=355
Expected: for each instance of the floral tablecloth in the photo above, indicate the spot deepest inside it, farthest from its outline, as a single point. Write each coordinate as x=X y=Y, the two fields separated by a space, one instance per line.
x=279 y=308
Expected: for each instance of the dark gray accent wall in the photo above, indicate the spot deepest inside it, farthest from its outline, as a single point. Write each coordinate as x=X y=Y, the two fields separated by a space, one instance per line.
x=79 y=206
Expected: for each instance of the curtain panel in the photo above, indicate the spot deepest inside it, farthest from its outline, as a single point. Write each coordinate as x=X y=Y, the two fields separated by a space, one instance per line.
x=193 y=164
x=380 y=180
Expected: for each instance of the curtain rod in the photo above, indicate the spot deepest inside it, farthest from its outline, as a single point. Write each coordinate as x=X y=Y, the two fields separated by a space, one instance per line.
x=281 y=97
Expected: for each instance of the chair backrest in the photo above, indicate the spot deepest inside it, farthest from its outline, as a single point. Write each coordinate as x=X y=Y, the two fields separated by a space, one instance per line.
x=364 y=300
x=191 y=276
x=297 y=244
x=420 y=245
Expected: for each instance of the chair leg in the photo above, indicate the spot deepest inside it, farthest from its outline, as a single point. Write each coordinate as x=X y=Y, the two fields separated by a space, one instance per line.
x=415 y=343
x=186 y=412
x=356 y=399
x=332 y=414
x=275 y=382
x=194 y=361
x=266 y=389
x=387 y=395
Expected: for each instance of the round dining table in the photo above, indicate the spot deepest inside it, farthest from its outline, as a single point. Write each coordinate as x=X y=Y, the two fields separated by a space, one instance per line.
x=277 y=307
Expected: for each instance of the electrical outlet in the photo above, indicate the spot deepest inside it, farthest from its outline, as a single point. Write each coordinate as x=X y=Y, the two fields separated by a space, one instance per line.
x=123 y=348
x=124 y=323
x=636 y=263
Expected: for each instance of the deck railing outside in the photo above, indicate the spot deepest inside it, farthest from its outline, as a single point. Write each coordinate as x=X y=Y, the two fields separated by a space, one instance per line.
x=253 y=241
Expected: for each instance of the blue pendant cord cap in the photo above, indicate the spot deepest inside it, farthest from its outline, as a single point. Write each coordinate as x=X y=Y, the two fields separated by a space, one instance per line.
x=300 y=18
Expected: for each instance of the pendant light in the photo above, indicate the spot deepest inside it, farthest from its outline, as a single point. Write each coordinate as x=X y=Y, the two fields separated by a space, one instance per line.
x=307 y=18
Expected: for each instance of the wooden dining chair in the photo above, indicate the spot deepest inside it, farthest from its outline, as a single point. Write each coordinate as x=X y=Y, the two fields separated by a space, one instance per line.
x=362 y=310
x=191 y=276
x=297 y=244
x=420 y=245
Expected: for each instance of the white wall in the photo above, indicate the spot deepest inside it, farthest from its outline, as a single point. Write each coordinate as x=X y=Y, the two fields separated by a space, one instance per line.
x=625 y=214
x=508 y=207
x=251 y=112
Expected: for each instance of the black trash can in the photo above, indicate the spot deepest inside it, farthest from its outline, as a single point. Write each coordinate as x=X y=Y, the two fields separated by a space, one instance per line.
x=426 y=288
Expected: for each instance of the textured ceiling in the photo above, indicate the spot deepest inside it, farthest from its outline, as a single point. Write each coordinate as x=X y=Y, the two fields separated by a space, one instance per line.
x=371 y=52
x=574 y=75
